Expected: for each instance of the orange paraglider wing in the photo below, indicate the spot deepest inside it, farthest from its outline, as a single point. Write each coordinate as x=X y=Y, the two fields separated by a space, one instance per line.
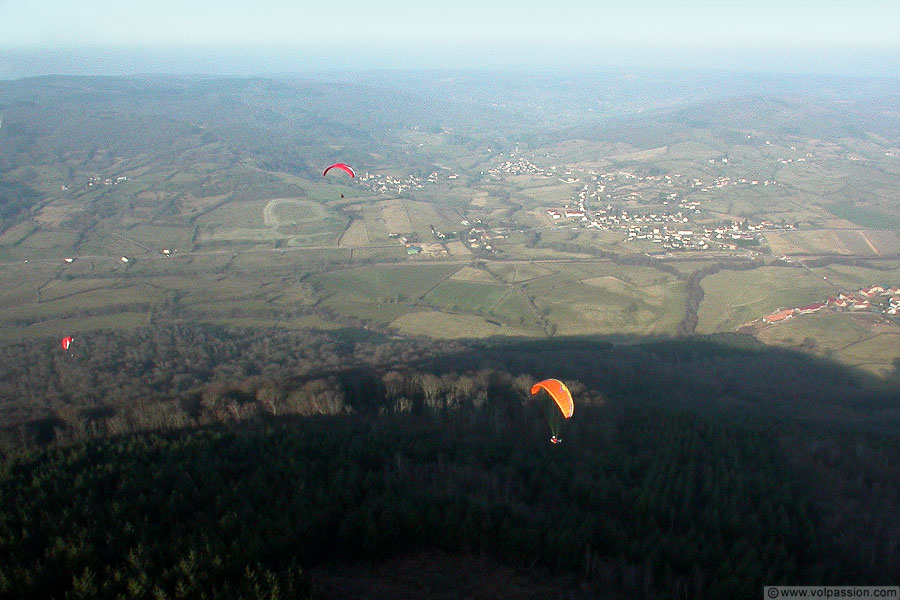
x=559 y=392
x=66 y=342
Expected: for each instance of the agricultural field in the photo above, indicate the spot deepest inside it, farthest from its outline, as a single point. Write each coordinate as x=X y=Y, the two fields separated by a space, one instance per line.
x=160 y=237
x=474 y=274
x=603 y=298
x=608 y=299
x=380 y=285
x=424 y=215
x=35 y=307
x=442 y=325
x=395 y=216
x=355 y=234
x=862 y=341
x=466 y=296
x=732 y=298
x=519 y=272
x=848 y=242
x=256 y=233
x=855 y=277
x=46 y=241
x=51 y=329
x=261 y=213
x=458 y=249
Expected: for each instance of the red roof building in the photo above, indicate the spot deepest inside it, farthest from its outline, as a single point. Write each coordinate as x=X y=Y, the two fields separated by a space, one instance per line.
x=805 y=310
x=781 y=315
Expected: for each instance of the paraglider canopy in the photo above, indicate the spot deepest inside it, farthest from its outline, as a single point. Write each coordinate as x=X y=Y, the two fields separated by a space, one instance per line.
x=560 y=394
x=343 y=167
x=558 y=405
x=66 y=342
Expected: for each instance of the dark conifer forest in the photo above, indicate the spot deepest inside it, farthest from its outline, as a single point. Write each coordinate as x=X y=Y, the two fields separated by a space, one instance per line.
x=204 y=462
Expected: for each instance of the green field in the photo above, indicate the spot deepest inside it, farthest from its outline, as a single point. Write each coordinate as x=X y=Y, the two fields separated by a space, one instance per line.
x=259 y=236
x=732 y=298
x=239 y=214
x=865 y=217
x=852 y=278
x=855 y=340
x=609 y=299
x=76 y=325
x=467 y=296
x=439 y=325
x=518 y=272
x=380 y=285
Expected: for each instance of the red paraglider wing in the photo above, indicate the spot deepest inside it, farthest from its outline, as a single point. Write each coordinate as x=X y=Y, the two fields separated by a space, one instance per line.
x=345 y=168
x=559 y=392
x=66 y=342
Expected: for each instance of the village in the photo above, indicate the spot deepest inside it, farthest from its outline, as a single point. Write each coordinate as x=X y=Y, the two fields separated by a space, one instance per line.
x=665 y=227
x=614 y=191
x=608 y=200
x=723 y=182
x=874 y=298
x=97 y=180
x=656 y=208
x=521 y=166
x=387 y=184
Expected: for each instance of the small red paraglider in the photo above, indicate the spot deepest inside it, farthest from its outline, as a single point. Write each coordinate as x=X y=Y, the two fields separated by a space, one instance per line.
x=66 y=342
x=343 y=167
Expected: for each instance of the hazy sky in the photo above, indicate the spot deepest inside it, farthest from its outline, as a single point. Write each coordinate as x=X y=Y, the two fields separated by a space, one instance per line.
x=459 y=32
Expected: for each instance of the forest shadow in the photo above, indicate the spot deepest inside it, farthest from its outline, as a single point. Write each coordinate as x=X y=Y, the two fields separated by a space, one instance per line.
x=728 y=373
x=199 y=375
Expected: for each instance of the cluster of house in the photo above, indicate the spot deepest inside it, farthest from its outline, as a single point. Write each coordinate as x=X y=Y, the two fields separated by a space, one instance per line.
x=520 y=166
x=96 y=180
x=853 y=301
x=665 y=227
x=668 y=229
x=426 y=249
x=576 y=213
x=479 y=237
x=786 y=313
x=415 y=247
x=626 y=186
x=523 y=166
x=441 y=235
x=670 y=238
x=744 y=230
x=723 y=182
x=862 y=300
x=692 y=205
x=387 y=184
x=576 y=209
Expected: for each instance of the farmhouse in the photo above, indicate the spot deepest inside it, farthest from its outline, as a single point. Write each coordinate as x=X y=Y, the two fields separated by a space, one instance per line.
x=805 y=310
x=870 y=291
x=779 y=316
